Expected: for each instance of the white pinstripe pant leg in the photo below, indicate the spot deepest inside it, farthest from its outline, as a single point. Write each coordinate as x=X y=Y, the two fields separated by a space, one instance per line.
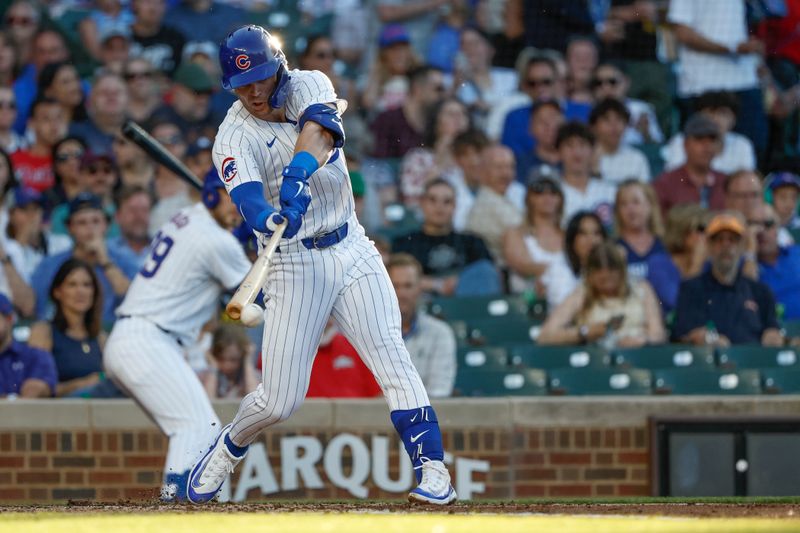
x=300 y=293
x=369 y=316
x=150 y=365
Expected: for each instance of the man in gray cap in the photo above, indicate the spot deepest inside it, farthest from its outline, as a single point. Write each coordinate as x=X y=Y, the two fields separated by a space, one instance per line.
x=190 y=108
x=694 y=182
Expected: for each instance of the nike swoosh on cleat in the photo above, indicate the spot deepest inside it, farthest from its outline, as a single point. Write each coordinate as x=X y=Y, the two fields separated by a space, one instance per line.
x=415 y=438
x=269 y=144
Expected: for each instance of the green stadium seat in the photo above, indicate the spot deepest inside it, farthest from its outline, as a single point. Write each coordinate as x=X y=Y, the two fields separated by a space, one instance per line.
x=501 y=330
x=780 y=380
x=756 y=356
x=482 y=358
x=599 y=381
x=522 y=382
x=664 y=356
x=550 y=357
x=791 y=328
x=479 y=307
x=704 y=381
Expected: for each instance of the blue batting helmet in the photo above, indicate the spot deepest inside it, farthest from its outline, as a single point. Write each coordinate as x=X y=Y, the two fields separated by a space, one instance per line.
x=251 y=54
x=211 y=186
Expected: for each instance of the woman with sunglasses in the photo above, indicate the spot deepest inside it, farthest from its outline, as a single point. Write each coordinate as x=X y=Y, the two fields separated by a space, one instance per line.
x=532 y=248
x=639 y=230
x=319 y=54
x=685 y=238
x=144 y=96
x=67 y=156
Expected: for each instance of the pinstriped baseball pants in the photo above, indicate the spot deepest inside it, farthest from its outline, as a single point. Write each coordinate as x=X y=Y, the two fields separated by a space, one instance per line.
x=305 y=287
x=150 y=365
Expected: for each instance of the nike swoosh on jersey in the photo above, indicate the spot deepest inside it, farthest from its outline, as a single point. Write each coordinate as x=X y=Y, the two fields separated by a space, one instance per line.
x=415 y=438
x=269 y=144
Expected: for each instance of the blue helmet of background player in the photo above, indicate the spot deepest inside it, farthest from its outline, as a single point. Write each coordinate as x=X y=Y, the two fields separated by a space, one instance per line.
x=211 y=186
x=251 y=54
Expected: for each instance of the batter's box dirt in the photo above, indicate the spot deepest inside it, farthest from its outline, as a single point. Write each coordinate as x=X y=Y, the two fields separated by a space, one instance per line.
x=671 y=508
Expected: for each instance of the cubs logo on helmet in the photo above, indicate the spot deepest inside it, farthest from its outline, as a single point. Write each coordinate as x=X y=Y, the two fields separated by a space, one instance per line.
x=228 y=169
x=243 y=61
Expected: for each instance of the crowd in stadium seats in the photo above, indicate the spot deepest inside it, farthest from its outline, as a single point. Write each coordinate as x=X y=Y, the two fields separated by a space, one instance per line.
x=553 y=184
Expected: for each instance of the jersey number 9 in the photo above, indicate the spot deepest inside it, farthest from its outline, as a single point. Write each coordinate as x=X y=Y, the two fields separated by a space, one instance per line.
x=162 y=244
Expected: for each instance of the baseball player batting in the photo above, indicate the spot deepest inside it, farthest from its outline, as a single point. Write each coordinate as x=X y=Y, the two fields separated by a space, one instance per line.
x=194 y=258
x=281 y=145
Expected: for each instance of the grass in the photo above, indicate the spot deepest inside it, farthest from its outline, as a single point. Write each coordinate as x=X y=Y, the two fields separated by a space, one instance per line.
x=371 y=523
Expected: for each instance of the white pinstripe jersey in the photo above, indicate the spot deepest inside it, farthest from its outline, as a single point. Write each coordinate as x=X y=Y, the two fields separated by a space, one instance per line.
x=193 y=259
x=250 y=149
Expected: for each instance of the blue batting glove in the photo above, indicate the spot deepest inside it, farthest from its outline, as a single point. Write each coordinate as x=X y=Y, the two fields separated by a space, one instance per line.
x=273 y=221
x=294 y=220
x=295 y=193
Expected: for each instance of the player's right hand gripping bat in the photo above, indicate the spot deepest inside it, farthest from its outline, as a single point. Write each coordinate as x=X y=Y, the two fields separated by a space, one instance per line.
x=246 y=294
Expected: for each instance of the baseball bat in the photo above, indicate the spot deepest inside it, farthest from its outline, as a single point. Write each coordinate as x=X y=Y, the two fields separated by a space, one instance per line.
x=160 y=155
x=255 y=278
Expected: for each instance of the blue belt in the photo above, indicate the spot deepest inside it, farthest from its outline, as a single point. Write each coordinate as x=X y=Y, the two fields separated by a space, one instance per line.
x=318 y=242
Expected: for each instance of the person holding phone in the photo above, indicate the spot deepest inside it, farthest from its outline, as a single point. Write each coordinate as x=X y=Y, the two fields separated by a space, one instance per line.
x=606 y=304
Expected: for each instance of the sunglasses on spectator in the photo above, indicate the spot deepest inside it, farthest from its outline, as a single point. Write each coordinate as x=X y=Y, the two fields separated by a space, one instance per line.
x=765 y=224
x=542 y=187
x=324 y=54
x=171 y=140
x=66 y=156
x=101 y=169
x=611 y=82
x=544 y=82
x=11 y=20
x=8 y=104
x=130 y=76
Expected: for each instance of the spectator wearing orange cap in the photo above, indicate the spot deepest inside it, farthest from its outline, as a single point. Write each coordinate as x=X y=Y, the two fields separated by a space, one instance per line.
x=721 y=306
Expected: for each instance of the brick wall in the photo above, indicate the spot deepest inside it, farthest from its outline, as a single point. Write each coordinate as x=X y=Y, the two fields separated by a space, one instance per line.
x=531 y=448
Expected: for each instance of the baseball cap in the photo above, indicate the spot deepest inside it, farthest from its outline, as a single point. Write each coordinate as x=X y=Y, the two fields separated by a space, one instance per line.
x=194 y=77
x=24 y=196
x=115 y=30
x=206 y=48
x=700 y=125
x=91 y=158
x=539 y=181
x=84 y=200
x=201 y=144
x=725 y=222
x=775 y=180
x=5 y=305
x=393 y=34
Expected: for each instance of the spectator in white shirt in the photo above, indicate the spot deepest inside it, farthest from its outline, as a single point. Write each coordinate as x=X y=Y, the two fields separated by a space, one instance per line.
x=575 y=144
x=737 y=151
x=610 y=81
x=617 y=162
x=430 y=341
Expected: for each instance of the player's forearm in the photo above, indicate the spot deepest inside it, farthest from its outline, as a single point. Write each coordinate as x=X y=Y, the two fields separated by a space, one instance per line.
x=315 y=140
x=249 y=198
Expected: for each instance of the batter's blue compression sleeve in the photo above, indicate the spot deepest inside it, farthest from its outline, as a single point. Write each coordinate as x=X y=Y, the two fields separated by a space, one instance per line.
x=249 y=198
x=419 y=431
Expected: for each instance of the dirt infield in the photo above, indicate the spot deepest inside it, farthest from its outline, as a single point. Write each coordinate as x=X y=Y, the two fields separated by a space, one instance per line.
x=789 y=511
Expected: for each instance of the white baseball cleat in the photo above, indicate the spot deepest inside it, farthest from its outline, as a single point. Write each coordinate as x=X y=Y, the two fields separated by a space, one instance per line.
x=435 y=487
x=208 y=475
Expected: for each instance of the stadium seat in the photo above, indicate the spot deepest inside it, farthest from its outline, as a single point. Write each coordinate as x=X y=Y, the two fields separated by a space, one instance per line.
x=664 y=356
x=781 y=380
x=501 y=330
x=704 y=381
x=482 y=358
x=550 y=357
x=478 y=307
x=522 y=382
x=791 y=328
x=599 y=381
x=756 y=356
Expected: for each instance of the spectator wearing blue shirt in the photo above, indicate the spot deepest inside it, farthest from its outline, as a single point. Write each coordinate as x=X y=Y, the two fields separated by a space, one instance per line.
x=540 y=81
x=639 y=225
x=741 y=309
x=778 y=266
x=87 y=224
x=205 y=19
x=24 y=371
